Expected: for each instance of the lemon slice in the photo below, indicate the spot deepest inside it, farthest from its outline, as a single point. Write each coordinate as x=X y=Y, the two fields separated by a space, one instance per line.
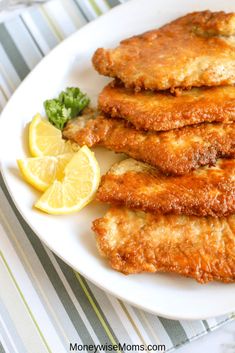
x=40 y=172
x=46 y=140
x=76 y=189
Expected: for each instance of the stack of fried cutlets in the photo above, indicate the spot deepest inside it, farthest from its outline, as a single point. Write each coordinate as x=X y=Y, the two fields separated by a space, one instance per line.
x=171 y=108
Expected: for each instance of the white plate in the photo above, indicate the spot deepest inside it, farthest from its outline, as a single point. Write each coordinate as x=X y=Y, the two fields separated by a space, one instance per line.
x=70 y=237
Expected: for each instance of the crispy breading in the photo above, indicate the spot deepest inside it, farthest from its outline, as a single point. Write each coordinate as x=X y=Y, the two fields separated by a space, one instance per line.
x=200 y=248
x=214 y=23
x=194 y=50
x=173 y=152
x=159 y=111
x=204 y=192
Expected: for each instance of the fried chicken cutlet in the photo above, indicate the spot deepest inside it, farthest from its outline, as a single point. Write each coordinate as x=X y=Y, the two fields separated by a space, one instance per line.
x=194 y=50
x=200 y=248
x=204 y=192
x=174 y=152
x=161 y=111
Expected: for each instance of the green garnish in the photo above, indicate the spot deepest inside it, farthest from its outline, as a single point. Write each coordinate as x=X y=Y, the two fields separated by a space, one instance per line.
x=57 y=113
x=68 y=105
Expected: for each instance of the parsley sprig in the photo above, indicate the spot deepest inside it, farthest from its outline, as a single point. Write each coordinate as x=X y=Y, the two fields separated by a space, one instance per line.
x=68 y=105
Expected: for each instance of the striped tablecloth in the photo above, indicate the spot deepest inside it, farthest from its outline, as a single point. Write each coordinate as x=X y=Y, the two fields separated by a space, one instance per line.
x=44 y=304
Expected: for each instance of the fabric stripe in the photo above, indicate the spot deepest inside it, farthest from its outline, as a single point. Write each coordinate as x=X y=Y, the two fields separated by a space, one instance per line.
x=26 y=25
x=106 y=302
x=176 y=327
x=24 y=42
x=88 y=301
x=52 y=274
x=107 y=329
x=8 y=329
x=211 y=322
x=3 y=99
x=4 y=87
x=76 y=2
x=13 y=53
x=143 y=319
x=27 y=329
x=102 y=6
x=56 y=281
x=59 y=287
x=53 y=25
x=159 y=330
x=122 y=312
x=87 y=9
x=59 y=18
x=6 y=338
x=224 y=318
x=8 y=72
x=95 y=7
x=40 y=22
x=72 y=296
x=113 y=3
x=50 y=297
x=130 y=311
x=40 y=42
x=193 y=329
x=2 y=350
x=74 y=13
x=205 y=324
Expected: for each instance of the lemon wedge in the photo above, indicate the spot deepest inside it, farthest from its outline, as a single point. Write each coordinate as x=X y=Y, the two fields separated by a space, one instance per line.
x=46 y=140
x=76 y=189
x=40 y=172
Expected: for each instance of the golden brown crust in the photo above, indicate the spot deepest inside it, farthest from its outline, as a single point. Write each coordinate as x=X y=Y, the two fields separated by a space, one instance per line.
x=204 y=192
x=214 y=23
x=159 y=111
x=173 y=152
x=194 y=50
x=200 y=248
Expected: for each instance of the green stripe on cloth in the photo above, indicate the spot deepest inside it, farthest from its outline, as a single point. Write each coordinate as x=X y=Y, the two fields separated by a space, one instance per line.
x=3 y=93
x=124 y=307
x=86 y=300
x=13 y=52
x=58 y=285
x=52 y=274
x=108 y=330
x=103 y=331
x=43 y=290
x=157 y=327
x=43 y=26
x=114 y=314
x=95 y=7
x=52 y=24
x=148 y=329
x=25 y=302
